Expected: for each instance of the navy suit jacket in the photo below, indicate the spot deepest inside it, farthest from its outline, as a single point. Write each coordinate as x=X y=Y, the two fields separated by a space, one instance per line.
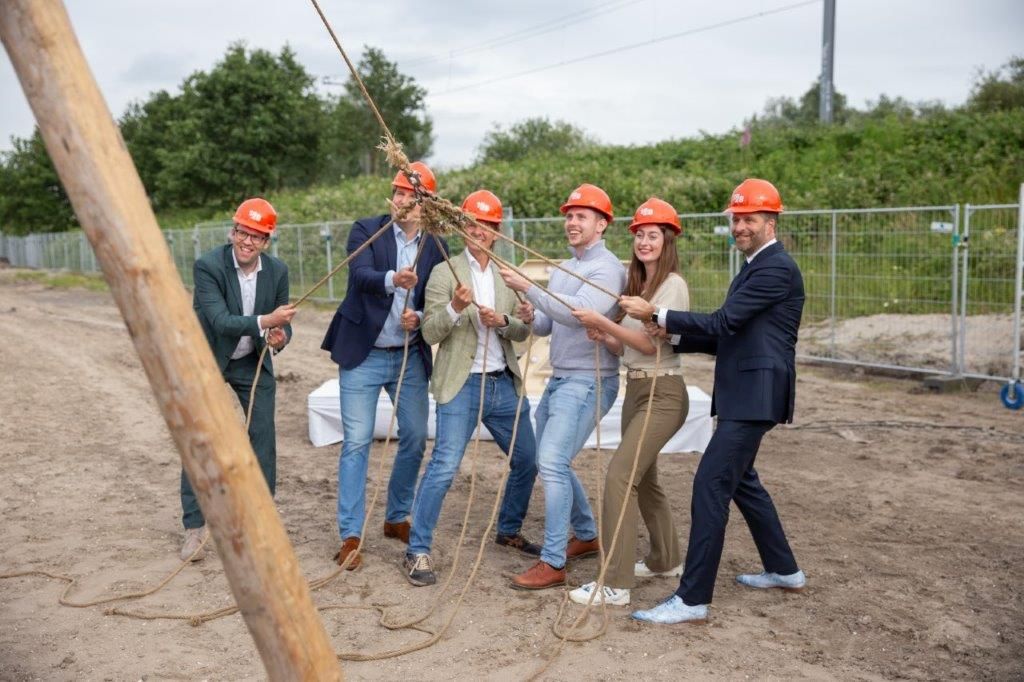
x=754 y=337
x=217 y=300
x=360 y=317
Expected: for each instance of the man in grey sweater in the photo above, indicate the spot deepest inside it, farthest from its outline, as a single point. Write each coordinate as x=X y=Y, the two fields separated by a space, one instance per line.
x=566 y=414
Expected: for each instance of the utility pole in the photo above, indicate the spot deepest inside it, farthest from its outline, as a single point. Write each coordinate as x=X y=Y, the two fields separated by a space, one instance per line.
x=828 y=45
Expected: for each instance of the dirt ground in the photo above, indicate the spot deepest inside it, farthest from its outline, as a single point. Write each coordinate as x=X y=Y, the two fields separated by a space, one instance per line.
x=911 y=536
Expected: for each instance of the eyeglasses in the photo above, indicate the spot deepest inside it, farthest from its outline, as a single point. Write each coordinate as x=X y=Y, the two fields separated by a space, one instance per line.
x=255 y=239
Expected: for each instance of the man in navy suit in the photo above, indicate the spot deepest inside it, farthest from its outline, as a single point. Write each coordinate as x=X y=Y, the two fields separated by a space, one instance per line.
x=366 y=339
x=754 y=337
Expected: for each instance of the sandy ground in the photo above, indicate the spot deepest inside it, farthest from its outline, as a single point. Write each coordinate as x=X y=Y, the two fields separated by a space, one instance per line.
x=911 y=537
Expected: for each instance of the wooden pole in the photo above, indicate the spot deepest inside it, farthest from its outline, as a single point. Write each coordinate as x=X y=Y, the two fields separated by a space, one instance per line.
x=112 y=207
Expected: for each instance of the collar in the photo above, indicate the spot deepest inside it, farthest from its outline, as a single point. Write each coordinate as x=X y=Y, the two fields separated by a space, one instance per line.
x=754 y=255
x=588 y=251
x=238 y=268
x=473 y=261
x=400 y=235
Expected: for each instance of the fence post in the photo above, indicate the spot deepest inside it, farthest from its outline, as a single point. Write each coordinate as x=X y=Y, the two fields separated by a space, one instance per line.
x=832 y=289
x=1018 y=292
x=965 y=245
x=325 y=232
x=302 y=274
x=954 y=285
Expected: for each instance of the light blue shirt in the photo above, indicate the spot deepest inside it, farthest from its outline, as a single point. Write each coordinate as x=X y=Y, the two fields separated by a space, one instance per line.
x=392 y=334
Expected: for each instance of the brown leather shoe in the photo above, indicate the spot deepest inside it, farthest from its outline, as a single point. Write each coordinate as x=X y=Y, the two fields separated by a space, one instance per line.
x=577 y=549
x=540 y=576
x=398 y=530
x=347 y=547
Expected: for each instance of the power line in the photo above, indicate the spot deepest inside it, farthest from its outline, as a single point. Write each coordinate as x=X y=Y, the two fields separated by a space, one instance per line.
x=529 y=32
x=632 y=46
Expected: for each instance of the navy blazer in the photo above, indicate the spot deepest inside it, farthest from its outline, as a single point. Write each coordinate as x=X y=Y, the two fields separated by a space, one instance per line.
x=754 y=336
x=217 y=300
x=360 y=317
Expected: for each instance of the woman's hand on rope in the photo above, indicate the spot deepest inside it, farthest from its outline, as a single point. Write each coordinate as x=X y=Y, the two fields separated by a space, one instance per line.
x=513 y=280
x=591 y=319
x=405 y=278
x=595 y=334
x=276 y=338
x=524 y=311
x=654 y=330
x=637 y=308
x=491 y=319
x=462 y=298
x=410 y=320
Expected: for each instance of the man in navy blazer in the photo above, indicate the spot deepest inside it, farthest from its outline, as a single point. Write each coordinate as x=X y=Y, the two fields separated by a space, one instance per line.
x=754 y=337
x=366 y=339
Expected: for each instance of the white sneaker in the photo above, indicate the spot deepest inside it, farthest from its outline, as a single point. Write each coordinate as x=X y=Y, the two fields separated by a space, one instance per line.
x=640 y=570
x=794 y=582
x=611 y=595
x=194 y=538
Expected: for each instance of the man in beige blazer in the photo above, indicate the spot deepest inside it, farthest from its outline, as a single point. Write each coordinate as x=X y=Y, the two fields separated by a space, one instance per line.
x=473 y=320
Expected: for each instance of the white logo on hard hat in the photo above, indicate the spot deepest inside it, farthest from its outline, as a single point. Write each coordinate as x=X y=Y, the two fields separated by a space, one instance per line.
x=255 y=215
x=738 y=198
x=575 y=195
x=646 y=211
x=483 y=206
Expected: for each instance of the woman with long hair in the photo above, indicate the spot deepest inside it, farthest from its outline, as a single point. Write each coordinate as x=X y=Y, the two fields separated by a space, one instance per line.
x=653 y=275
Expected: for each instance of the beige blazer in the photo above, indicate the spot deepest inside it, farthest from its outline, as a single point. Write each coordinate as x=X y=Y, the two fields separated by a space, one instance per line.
x=457 y=342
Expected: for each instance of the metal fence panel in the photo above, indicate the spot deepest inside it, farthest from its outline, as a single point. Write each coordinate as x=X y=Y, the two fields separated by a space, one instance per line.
x=988 y=301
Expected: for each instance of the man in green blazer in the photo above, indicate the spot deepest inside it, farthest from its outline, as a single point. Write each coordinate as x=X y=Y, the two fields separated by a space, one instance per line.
x=241 y=294
x=473 y=320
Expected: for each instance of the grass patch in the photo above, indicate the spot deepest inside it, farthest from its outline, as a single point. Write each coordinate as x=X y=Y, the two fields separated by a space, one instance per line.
x=59 y=280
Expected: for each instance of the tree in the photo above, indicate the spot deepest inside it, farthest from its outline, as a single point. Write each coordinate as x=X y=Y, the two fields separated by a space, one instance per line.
x=1001 y=90
x=32 y=198
x=531 y=136
x=353 y=130
x=148 y=130
x=787 y=111
x=246 y=127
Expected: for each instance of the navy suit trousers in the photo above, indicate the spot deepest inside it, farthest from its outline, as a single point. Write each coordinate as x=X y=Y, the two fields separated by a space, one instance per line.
x=726 y=473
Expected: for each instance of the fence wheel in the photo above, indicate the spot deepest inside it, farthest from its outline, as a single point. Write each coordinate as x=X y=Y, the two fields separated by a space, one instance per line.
x=1012 y=395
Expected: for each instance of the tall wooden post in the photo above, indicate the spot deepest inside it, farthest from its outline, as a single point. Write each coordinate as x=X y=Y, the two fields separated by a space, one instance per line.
x=111 y=204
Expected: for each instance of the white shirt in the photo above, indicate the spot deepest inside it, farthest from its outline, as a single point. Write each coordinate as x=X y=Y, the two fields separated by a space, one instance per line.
x=247 y=284
x=483 y=293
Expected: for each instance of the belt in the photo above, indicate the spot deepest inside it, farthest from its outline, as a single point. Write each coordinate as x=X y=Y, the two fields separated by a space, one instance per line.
x=393 y=349
x=495 y=374
x=647 y=374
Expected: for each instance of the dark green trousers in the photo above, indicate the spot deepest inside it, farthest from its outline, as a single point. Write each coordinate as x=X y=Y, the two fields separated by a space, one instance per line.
x=239 y=375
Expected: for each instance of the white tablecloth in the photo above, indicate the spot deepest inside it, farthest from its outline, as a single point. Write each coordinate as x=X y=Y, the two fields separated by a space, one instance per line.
x=324 y=413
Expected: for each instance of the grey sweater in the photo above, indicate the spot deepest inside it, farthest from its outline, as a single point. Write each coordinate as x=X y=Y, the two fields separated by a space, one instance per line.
x=572 y=353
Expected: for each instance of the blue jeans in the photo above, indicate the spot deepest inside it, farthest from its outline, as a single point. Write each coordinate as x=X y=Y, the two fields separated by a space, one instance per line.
x=360 y=388
x=565 y=418
x=456 y=422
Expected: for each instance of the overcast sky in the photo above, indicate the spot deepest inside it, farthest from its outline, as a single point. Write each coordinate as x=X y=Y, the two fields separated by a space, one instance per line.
x=468 y=54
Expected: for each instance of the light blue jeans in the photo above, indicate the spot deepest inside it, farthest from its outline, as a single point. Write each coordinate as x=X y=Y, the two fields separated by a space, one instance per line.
x=360 y=388
x=456 y=422
x=565 y=419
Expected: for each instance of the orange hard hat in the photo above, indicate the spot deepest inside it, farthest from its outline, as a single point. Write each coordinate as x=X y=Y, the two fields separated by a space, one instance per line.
x=257 y=214
x=754 y=195
x=656 y=211
x=592 y=197
x=426 y=177
x=483 y=205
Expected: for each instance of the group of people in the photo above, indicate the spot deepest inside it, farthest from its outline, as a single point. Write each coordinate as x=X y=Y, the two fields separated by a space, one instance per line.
x=405 y=292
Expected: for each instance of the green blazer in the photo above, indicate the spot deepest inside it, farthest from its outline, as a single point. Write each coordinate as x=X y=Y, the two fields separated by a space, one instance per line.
x=217 y=300
x=457 y=341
